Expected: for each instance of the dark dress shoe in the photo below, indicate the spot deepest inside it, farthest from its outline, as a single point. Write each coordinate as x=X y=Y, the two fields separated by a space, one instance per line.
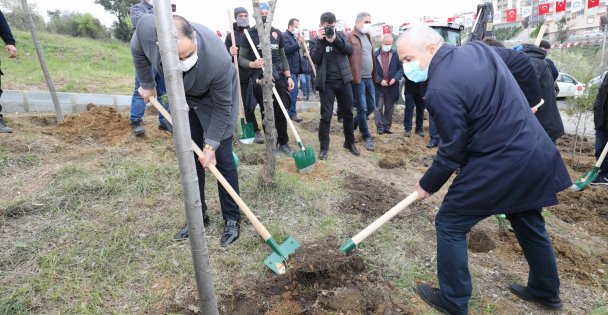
x=296 y=118
x=183 y=232
x=323 y=155
x=388 y=132
x=432 y=144
x=352 y=148
x=138 y=128
x=165 y=126
x=420 y=133
x=432 y=297
x=524 y=294
x=231 y=233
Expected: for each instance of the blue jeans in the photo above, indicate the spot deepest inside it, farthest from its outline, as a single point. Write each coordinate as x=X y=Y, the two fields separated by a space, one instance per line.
x=413 y=101
x=306 y=84
x=138 y=107
x=601 y=138
x=364 y=100
x=452 y=261
x=294 y=96
x=433 y=130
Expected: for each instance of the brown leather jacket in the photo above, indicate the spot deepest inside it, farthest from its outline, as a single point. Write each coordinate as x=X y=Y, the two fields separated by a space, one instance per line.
x=355 y=58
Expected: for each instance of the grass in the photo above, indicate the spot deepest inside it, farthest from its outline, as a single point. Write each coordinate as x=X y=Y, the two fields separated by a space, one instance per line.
x=76 y=65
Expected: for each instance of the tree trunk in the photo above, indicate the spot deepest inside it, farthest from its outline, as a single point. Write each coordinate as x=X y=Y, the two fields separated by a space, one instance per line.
x=167 y=40
x=267 y=174
x=45 y=69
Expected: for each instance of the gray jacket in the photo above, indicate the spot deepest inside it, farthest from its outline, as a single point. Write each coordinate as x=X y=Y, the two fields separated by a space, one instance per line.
x=211 y=86
x=138 y=10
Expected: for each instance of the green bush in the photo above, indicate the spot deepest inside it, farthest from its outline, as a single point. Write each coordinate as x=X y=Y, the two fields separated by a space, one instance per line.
x=507 y=33
x=76 y=24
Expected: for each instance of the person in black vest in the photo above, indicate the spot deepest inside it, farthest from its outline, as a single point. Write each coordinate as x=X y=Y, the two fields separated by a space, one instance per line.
x=329 y=52
x=242 y=22
x=11 y=51
x=281 y=75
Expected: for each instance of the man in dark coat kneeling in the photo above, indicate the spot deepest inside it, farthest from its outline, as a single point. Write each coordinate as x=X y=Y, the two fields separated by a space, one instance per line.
x=507 y=164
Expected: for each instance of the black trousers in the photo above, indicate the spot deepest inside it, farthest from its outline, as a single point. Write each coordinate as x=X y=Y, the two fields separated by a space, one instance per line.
x=249 y=105
x=225 y=165
x=343 y=93
x=280 y=122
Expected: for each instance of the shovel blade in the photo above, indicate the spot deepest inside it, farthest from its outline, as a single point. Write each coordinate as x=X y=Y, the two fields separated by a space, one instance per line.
x=305 y=160
x=585 y=180
x=247 y=133
x=277 y=261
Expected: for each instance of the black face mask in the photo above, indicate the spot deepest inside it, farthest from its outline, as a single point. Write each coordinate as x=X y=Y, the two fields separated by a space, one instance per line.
x=264 y=18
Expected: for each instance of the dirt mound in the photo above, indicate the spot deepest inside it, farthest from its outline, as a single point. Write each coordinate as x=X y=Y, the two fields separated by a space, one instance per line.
x=98 y=124
x=566 y=144
x=391 y=161
x=313 y=126
x=587 y=208
x=369 y=197
x=571 y=260
x=395 y=147
x=320 y=280
x=480 y=242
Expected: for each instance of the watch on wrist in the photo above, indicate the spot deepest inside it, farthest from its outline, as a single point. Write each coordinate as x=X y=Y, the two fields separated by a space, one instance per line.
x=208 y=147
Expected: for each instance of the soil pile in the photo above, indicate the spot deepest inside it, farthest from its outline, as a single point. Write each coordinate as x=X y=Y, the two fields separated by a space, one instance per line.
x=320 y=279
x=390 y=162
x=587 y=208
x=369 y=197
x=313 y=126
x=98 y=124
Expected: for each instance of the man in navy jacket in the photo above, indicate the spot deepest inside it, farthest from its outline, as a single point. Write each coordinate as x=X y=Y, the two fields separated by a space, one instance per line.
x=389 y=70
x=293 y=39
x=507 y=164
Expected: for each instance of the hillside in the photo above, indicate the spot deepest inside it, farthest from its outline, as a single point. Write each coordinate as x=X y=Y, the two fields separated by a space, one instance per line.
x=76 y=65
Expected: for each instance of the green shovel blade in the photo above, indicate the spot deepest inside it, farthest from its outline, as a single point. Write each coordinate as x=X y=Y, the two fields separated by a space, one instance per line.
x=305 y=159
x=247 y=133
x=585 y=180
x=278 y=259
x=348 y=246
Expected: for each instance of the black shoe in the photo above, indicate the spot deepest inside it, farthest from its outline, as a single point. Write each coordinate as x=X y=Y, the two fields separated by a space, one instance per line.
x=183 y=232
x=340 y=120
x=407 y=133
x=600 y=180
x=138 y=128
x=353 y=149
x=296 y=118
x=259 y=139
x=432 y=297
x=323 y=154
x=368 y=144
x=420 y=133
x=3 y=127
x=286 y=149
x=165 y=126
x=523 y=293
x=388 y=132
x=380 y=131
x=231 y=233
x=432 y=144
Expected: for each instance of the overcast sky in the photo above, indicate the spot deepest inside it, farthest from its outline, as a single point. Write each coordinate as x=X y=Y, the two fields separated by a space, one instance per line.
x=213 y=13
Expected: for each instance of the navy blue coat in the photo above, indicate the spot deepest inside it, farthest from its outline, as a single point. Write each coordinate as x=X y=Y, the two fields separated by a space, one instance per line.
x=395 y=71
x=292 y=52
x=508 y=163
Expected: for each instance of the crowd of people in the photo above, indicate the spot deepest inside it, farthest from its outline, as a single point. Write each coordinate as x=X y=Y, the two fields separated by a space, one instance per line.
x=482 y=101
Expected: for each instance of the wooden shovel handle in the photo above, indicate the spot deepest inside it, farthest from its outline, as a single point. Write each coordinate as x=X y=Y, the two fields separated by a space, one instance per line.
x=312 y=65
x=276 y=94
x=236 y=66
x=256 y=223
x=385 y=218
x=602 y=156
x=541 y=33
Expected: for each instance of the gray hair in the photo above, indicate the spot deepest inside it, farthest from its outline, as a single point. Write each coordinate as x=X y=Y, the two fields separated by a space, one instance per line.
x=361 y=16
x=387 y=36
x=421 y=36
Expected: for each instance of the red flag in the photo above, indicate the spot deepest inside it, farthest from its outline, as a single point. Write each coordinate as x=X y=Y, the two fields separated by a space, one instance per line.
x=386 y=29
x=592 y=3
x=560 y=6
x=219 y=34
x=313 y=34
x=511 y=15
x=543 y=8
x=451 y=19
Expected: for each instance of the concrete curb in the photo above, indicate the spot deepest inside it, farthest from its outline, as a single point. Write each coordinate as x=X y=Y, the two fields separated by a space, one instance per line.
x=42 y=102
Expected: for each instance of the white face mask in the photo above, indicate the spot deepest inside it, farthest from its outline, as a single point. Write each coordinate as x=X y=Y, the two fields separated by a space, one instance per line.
x=295 y=31
x=386 y=48
x=366 y=28
x=187 y=64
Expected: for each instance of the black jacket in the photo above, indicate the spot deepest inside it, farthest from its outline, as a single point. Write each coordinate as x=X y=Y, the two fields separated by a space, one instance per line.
x=524 y=73
x=244 y=73
x=292 y=51
x=548 y=114
x=600 y=107
x=320 y=48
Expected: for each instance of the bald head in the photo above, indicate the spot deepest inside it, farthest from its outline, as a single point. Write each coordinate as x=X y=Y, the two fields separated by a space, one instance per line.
x=419 y=43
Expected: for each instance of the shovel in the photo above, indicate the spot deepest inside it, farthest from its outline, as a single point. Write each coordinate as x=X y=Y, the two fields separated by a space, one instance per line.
x=351 y=244
x=277 y=260
x=588 y=177
x=247 y=134
x=305 y=156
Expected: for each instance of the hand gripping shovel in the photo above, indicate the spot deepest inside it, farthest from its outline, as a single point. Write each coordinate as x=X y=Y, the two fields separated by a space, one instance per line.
x=588 y=177
x=276 y=261
x=247 y=134
x=351 y=244
x=305 y=156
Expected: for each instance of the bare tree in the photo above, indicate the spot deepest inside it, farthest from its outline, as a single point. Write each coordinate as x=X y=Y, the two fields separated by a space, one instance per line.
x=267 y=174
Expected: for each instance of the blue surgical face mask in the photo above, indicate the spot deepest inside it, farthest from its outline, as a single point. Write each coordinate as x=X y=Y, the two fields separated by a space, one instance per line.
x=413 y=71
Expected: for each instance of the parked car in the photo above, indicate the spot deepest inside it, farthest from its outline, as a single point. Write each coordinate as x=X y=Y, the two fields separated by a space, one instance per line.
x=597 y=80
x=568 y=86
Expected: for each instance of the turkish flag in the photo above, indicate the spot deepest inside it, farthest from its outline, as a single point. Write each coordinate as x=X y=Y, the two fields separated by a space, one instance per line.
x=313 y=34
x=592 y=3
x=543 y=9
x=560 y=6
x=386 y=29
x=511 y=15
